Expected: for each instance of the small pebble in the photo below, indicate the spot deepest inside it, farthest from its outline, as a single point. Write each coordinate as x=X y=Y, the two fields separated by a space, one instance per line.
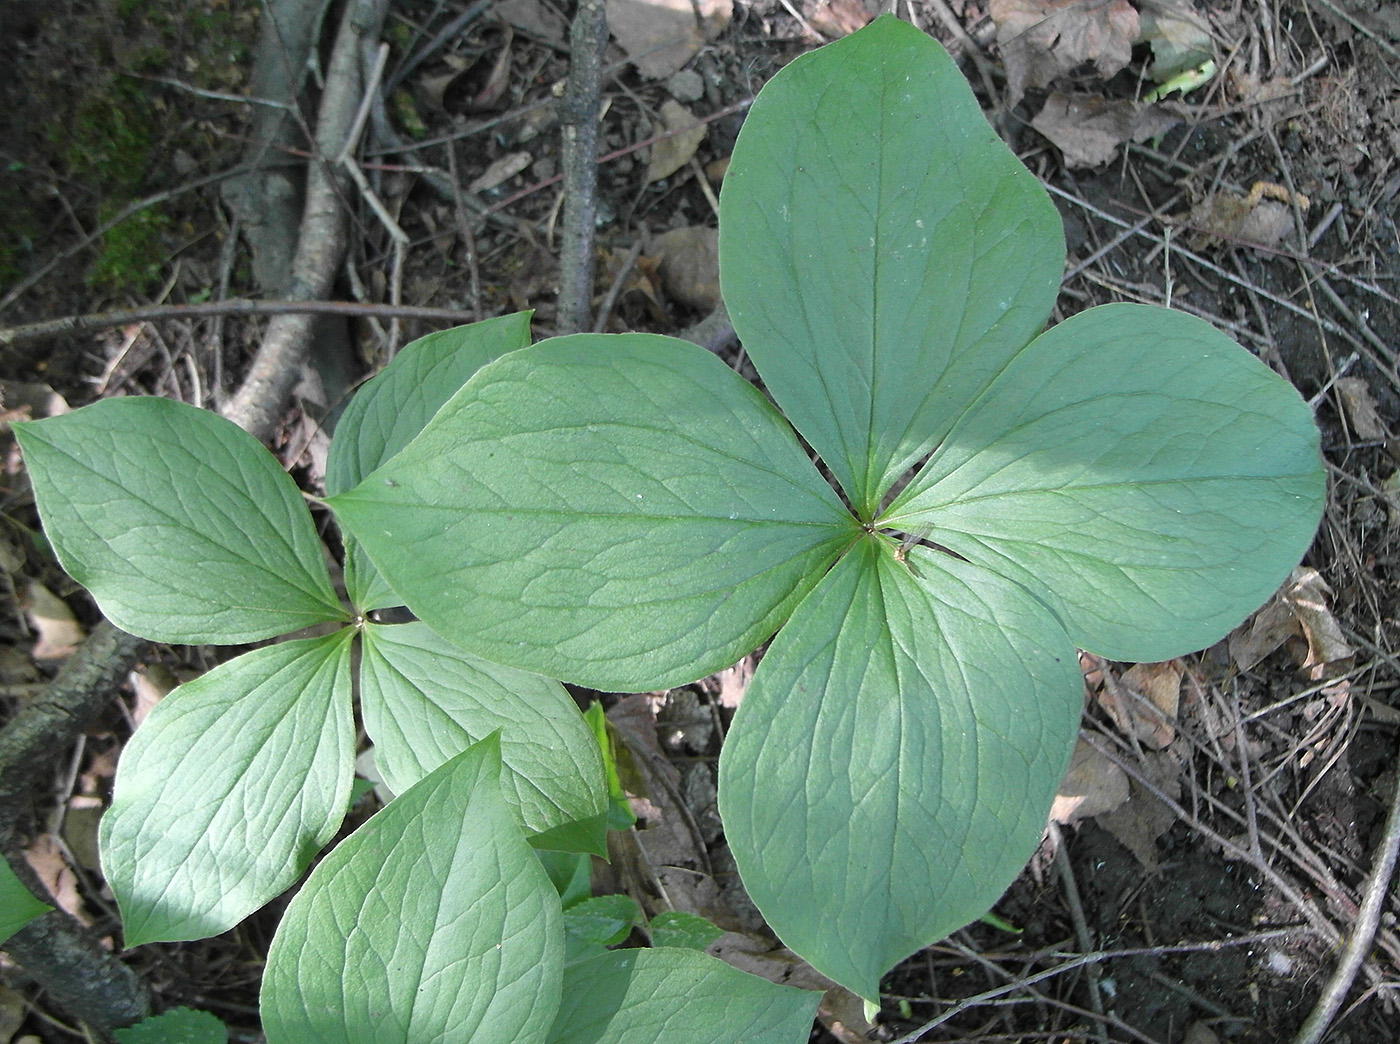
x=686 y=86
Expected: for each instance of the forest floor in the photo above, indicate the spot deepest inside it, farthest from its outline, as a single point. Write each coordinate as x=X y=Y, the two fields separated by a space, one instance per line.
x=1214 y=841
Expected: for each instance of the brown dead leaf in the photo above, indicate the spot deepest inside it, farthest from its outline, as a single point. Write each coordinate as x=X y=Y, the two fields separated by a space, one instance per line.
x=25 y=400
x=1200 y=1033
x=1088 y=129
x=151 y=685
x=1144 y=702
x=672 y=153
x=1361 y=409
x=663 y=35
x=1041 y=40
x=837 y=18
x=58 y=629
x=45 y=856
x=1298 y=610
x=1145 y=817
x=1092 y=785
x=501 y=171
x=1263 y=217
x=689 y=266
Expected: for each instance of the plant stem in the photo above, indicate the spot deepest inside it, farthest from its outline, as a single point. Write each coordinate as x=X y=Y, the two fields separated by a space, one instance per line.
x=578 y=117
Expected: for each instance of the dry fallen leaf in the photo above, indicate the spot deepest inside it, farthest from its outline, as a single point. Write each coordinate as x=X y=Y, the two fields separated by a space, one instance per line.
x=45 y=857
x=1041 y=40
x=1180 y=38
x=1298 y=610
x=689 y=266
x=58 y=629
x=501 y=171
x=1263 y=217
x=1144 y=818
x=535 y=18
x=1088 y=129
x=1144 y=701
x=663 y=35
x=1361 y=409
x=837 y=18
x=672 y=153
x=1092 y=785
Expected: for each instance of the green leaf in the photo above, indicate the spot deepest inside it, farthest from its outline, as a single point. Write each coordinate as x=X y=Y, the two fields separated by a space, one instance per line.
x=620 y=814
x=229 y=788
x=602 y=919
x=391 y=409
x=177 y=1026
x=181 y=524
x=1137 y=470
x=677 y=997
x=425 y=701
x=625 y=512
x=433 y=921
x=882 y=253
x=891 y=767
x=685 y=930
x=18 y=906
x=571 y=874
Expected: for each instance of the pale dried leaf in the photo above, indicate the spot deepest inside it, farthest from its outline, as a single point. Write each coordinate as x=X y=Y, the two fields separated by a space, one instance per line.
x=662 y=35
x=45 y=857
x=1361 y=409
x=1236 y=219
x=1263 y=633
x=1041 y=40
x=837 y=18
x=26 y=400
x=1307 y=595
x=1092 y=785
x=672 y=153
x=501 y=171
x=1088 y=129
x=80 y=829
x=1159 y=686
x=151 y=685
x=689 y=266
x=58 y=629
x=1200 y=1033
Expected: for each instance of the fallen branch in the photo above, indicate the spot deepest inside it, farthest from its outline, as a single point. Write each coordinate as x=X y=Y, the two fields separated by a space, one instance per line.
x=50 y=328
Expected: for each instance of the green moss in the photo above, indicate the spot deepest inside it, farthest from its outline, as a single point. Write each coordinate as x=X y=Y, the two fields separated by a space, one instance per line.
x=132 y=252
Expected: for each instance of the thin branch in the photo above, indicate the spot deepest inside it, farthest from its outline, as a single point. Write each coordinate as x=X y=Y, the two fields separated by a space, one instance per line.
x=71 y=324
x=578 y=118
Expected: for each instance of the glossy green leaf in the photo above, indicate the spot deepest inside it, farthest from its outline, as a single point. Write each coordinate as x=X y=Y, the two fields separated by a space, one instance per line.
x=605 y=920
x=1142 y=474
x=176 y=1026
x=571 y=874
x=18 y=906
x=670 y=996
x=181 y=524
x=624 y=512
x=229 y=788
x=425 y=701
x=432 y=922
x=391 y=409
x=891 y=767
x=686 y=930
x=882 y=253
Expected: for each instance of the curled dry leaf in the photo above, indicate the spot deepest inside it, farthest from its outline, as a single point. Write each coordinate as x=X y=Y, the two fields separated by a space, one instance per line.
x=838 y=18
x=662 y=35
x=672 y=153
x=1144 y=817
x=1298 y=610
x=501 y=171
x=1360 y=408
x=1041 y=40
x=58 y=629
x=1092 y=785
x=1087 y=128
x=1263 y=217
x=1143 y=702
x=689 y=266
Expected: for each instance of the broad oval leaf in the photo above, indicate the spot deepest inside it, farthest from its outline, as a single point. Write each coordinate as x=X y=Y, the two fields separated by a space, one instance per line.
x=180 y=523
x=391 y=409
x=18 y=905
x=882 y=253
x=432 y=922
x=1145 y=476
x=229 y=788
x=621 y=511
x=176 y=1026
x=890 y=769
x=677 y=996
x=425 y=701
